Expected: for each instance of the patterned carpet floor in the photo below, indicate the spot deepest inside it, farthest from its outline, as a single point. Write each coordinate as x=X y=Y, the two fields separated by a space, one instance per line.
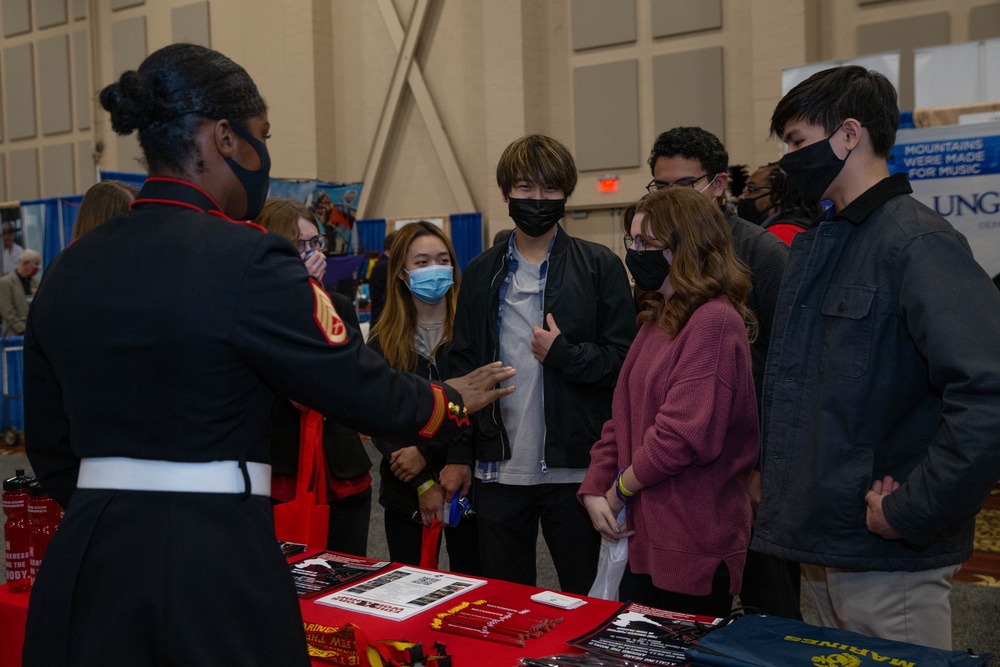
x=984 y=566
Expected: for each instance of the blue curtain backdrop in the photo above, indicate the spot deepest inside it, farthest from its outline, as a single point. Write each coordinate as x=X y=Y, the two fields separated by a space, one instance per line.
x=126 y=177
x=49 y=224
x=371 y=234
x=42 y=231
x=13 y=368
x=466 y=236
x=69 y=208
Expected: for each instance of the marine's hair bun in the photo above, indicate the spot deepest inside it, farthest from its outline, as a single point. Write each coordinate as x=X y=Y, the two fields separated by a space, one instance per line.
x=131 y=102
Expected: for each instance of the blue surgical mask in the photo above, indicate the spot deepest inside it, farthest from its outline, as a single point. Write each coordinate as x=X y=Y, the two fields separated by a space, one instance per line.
x=431 y=283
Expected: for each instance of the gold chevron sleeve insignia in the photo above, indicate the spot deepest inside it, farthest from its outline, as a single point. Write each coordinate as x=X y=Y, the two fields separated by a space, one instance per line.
x=327 y=319
x=437 y=414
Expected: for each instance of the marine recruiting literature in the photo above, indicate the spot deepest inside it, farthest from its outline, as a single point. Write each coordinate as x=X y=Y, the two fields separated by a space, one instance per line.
x=401 y=593
x=646 y=635
x=327 y=571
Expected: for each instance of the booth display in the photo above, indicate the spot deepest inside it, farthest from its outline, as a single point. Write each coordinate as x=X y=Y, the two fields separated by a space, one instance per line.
x=502 y=624
x=466 y=651
x=954 y=169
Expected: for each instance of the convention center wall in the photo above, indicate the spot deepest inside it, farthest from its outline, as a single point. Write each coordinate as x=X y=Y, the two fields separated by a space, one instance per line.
x=418 y=98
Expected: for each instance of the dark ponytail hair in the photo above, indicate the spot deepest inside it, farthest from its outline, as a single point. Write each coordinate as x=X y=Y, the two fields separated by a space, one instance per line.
x=171 y=91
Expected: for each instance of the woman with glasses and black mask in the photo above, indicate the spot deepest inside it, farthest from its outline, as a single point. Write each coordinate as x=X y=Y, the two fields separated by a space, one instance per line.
x=683 y=437
x=349 y=490
x=152 y=355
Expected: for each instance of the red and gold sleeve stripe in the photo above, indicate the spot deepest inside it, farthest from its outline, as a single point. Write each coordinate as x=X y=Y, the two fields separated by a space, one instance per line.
x=437 y=414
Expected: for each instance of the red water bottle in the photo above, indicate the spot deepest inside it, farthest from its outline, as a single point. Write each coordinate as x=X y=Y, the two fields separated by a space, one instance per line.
x=15 y=530
x=43 y=519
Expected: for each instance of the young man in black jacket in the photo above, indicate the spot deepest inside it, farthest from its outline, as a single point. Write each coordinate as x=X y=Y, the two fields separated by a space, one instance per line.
x=881 y=424
x=559 y=310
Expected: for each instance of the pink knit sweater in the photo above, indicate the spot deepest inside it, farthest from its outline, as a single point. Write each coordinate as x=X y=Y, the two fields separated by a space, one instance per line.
x=685 y=418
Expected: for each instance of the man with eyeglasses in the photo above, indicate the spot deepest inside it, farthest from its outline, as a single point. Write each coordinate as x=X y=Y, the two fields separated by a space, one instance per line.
x=690 y=157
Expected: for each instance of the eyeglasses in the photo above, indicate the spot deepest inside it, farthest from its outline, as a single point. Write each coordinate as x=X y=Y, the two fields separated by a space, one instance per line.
x=640 y=244
x=753 y=189
x=690 y=182
x=317 y=242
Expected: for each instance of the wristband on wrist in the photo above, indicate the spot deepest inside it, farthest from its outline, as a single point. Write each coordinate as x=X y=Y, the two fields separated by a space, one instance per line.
x=621 y=484
x=623 y=494
x=424 y=487
x=618 y=492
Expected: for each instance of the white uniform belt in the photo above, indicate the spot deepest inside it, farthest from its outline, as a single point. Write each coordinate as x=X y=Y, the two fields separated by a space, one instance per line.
x=125 y=474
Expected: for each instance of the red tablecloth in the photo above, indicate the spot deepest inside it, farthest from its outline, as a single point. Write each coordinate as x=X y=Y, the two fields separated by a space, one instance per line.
x=13 y=615
x=467 y=652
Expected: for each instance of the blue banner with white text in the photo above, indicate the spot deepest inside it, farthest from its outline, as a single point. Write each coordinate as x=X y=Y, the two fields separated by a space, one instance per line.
x=954 y=170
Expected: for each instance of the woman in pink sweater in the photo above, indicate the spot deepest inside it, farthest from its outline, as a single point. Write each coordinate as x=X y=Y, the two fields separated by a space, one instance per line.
x=683 y=436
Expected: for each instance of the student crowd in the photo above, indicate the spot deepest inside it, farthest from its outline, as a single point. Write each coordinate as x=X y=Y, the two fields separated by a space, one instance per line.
x=749 y=410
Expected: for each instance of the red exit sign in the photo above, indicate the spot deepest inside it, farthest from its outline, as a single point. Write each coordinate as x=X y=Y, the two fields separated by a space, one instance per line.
x=607 y=184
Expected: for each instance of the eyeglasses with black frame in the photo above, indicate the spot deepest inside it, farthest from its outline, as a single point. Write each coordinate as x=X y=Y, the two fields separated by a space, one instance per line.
x=640 y=244
x=753 y=189
x=689 y=182
x=317 y=243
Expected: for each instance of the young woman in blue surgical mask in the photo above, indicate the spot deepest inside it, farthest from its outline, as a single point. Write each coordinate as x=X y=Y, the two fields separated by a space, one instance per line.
x=414 y=334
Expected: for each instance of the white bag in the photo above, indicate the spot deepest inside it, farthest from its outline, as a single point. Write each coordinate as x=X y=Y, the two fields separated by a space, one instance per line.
x=611 y=566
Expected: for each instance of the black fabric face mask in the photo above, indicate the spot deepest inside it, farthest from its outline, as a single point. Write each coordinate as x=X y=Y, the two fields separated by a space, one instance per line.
x=255 y=182
x=649 y=269
x=535 y=217
x=812 y=169
x=747 y=209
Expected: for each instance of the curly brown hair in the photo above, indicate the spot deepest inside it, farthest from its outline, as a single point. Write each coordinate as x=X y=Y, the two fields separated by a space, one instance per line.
x=704 y=265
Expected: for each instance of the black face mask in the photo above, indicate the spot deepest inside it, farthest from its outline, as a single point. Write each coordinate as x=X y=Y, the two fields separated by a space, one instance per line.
x=649 y=269
x=254 y=182
x=747 y=209
x=812 y=169
x=535 y=217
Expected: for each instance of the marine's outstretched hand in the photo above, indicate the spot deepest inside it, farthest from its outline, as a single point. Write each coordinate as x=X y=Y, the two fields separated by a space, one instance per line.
x=479 y=388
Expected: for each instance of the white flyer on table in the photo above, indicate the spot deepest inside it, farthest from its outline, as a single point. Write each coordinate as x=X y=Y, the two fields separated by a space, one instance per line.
x=401 y=593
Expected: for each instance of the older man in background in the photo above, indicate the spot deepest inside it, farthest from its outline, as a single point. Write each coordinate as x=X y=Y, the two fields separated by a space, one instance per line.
x=16 y=290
